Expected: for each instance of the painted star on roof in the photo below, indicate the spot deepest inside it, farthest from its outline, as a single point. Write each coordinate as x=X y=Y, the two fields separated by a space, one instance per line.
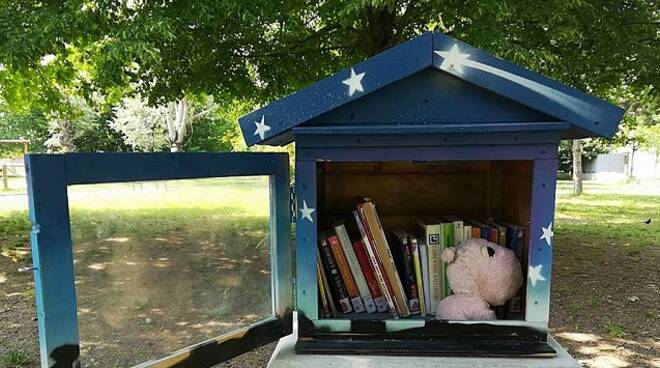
x=354 y=82
x=453 y=59
x=262 y=128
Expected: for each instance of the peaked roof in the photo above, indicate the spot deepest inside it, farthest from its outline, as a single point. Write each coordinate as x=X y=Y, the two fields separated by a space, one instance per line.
x=589 y=115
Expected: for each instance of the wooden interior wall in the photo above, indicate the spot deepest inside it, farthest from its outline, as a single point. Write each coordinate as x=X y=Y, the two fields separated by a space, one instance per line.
x=403 y=191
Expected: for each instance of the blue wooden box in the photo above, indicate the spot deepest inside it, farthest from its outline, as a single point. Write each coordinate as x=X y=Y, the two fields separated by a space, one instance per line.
x=432 y=126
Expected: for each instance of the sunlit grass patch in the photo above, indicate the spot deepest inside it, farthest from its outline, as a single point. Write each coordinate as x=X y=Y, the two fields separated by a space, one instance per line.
x=14 y=359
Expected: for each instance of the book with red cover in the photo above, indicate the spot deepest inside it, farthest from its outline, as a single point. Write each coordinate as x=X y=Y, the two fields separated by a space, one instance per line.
x=346 y=275
x=375 y=262
x=385 y=257
x=365 y=265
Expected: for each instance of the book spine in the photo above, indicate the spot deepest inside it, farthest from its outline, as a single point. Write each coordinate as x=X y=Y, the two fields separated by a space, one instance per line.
x=375 y=263
x=493 y=236
x=476 y=232
x=467 y=232
x=458 y=232
x=325 y=311
x=345 y=272
x=355 y=268
x=414 y=246
x=435 y=275
x=409 y=275
x=326 y=287
x=447 y=241
x=424 y=261
x=386 y=258
x=334 y=277
x=516 y=242
x=365 y=264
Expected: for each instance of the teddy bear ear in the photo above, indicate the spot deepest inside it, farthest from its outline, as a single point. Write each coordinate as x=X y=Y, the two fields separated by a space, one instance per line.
x=448 y=255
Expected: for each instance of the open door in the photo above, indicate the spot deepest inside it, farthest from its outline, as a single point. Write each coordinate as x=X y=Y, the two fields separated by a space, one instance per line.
x=60 y=263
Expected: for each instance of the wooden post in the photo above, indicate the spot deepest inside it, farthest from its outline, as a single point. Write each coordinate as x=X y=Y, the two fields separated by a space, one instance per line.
x=5 y=177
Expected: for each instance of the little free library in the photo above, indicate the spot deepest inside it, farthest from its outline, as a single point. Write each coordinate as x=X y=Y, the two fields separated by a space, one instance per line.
x=423 y=201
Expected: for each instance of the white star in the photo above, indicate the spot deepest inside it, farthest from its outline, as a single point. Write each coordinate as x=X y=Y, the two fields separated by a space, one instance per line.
x=262 y=128
x=306 y=212
x=534 y=274
x=453 y=59
x=354 y=83
x=547 y=233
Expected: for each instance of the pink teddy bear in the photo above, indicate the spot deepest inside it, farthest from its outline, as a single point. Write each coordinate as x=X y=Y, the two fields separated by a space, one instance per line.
x=481 y=274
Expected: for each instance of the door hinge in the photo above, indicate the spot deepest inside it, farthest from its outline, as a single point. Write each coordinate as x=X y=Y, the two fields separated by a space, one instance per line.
x=292 y=203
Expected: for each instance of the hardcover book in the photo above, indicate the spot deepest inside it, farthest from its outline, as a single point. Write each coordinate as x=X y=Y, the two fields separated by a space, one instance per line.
x=374 y=288
x=334 y=276
x=431 y=232
x=424 y=263
x=375 y=262
x=385 y=256
x=346 y=275
x=414 y=247
x=402 y=254
x=354 y=266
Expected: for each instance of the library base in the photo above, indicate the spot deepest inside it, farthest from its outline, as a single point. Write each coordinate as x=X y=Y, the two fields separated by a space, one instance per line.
x=285 y=357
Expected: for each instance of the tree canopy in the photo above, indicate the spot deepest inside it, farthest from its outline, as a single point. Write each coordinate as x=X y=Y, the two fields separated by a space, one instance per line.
x=257 y=51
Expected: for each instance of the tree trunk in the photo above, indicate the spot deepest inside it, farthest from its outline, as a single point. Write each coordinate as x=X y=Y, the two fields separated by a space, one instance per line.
x=633 y=149
x=577 y=167
x=177 y=125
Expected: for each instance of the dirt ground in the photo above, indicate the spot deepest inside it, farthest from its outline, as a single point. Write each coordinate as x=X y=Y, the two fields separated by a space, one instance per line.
x=606 y=308
x=605 y=293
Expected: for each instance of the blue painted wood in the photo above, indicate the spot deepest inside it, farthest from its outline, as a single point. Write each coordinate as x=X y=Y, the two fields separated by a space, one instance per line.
x=85 y=168
x=401 y=87
x=429 y=153
x=306 y=286
x=48 y=177
x=280 y=241
x=322 y=138
x=430 y=97
x=393 y=129
x=52 y=258
x=387 y=67
x=540 y=252
x=531 y=89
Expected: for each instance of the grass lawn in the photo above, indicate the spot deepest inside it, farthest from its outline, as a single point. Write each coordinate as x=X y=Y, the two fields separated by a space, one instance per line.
x=159 y=265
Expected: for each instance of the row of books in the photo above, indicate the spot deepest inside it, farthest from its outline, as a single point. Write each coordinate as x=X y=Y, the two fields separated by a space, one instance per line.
x=395 y=271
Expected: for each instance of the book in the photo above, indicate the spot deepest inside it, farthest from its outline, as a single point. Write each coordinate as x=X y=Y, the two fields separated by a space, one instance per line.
x=354 y=266
x=385 y=256
x=424 y=263
x=334 y=276
x=375 y=263
x=431 y=232
x=515 y=240
x=484 y=230
x=365 y=264
x=417 y=265
x=400 y=247
x=448 y=240
x=326 y=286
x=501 y=233
x=325 y=307
x=346 y=275
x=457 y=230
x=467 y=232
